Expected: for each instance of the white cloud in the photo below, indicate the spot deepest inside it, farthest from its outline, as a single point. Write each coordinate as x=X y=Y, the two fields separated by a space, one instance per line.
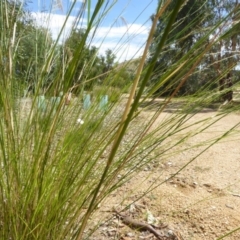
x=55 y=22
x=123 y=52
x=125 y=41
x=116 y=32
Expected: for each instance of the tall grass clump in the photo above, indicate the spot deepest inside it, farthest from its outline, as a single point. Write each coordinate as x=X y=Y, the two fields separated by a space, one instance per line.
x=59 y=159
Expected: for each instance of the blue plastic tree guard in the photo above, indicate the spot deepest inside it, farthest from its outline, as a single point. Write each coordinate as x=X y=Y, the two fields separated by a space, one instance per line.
x=103 y=102
x=55 y=101
x=41 y=103
x=86 y=101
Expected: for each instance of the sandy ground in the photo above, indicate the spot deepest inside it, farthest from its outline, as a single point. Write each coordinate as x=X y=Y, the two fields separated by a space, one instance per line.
x=202 y=202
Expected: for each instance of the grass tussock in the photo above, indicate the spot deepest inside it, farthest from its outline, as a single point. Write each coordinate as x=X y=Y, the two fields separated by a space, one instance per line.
x=60 y=158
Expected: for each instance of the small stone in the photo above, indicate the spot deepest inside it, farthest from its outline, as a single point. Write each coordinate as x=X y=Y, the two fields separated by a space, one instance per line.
x=146 y=169
x=99 y=205
x=202 y=228
x=132 y=208
x=207 y=185
x=187 y=212
x=170 y=232
x=111 y=232
x=130 y=234
x=228 y=206
x=214 y=208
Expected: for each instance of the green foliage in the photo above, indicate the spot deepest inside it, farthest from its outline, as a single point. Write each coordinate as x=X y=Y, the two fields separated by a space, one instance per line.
x=191 y=25
x=33 y=43
x=91 y=68
x=108 y=60
x=87 y=60
x=28 y=44
x=188 y=24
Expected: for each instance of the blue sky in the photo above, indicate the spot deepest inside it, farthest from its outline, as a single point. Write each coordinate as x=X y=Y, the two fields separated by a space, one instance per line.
x=124 y=29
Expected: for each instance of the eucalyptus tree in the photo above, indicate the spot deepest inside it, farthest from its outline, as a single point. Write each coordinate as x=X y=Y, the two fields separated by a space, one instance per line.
x=187 y=28
x=32 y=50
x=109 y=59
x=193 y=21
x=224 y=55
x=10 y=14
x=25 y=47
x=88 y=66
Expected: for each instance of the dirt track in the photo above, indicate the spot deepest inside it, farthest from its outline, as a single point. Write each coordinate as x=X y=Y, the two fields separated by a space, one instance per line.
x=201 y=202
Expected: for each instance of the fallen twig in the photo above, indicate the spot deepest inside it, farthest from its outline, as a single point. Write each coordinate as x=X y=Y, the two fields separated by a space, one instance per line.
x=236 y=195
x=228 y=206
x=138 y=225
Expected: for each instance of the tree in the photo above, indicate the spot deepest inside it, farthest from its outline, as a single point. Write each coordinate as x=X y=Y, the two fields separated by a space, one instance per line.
x=34 y=44
x=26 y=47
x=192 y=22
x=89 y=66
x=223 y=56
x=187 y=29
x=10 y=13
x=109 y=60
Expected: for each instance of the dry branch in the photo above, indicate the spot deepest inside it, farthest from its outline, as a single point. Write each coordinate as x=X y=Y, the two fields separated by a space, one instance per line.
x=132 y=223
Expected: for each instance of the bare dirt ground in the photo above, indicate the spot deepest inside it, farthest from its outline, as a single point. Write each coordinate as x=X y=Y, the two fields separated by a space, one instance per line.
x=202 y=202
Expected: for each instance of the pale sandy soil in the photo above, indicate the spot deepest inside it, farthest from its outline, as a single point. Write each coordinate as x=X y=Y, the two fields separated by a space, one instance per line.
x=202 y=202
